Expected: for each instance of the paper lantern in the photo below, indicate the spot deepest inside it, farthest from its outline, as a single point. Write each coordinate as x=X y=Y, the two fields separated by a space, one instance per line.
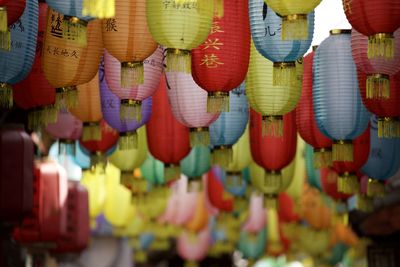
x=257 y=216
x=188 y=103
x=193 y=247
x=180 y=27
x=196 y=163
x=313 y=175
x=383 y=161
x=200 y=218
x=235 y=185
x=110 y=106
x=67 y=64
x=132 y=97
x=129 y=40
x=153 y=171
x=313 y=210
x=67 y=160
x=306 y=122
x=229 y=127
x=267 y=31
x=88 y=109
x=272 y=102
x=34 y=93
x=216 y=194
x=378 y=69
x=220 y=63
x=338 y=106
x=387 y=110
x=10 y=11
x=16 y=64
x=376 y=19
x=94 y=182
x=252 y=245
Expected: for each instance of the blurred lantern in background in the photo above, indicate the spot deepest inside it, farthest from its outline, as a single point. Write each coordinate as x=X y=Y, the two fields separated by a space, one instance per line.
x=10 y=12
x=218 y=197
x=16 y=64
x=220 y=63
x=196 y=163
x=193 y=247
x=313 y=210
x=252 y=245
x=127 y=38
x=229 y=127
x=68 y=159
x=306 y=122
x=257 y=217
x=188 y=103
x=272 y=102
x=180 y=27
x=67 y=64
x=338 y=106
x=167 y=138
x=153 y=171
x=313 y=175
x=268 y=33
x=132 y=96
x=376 y=19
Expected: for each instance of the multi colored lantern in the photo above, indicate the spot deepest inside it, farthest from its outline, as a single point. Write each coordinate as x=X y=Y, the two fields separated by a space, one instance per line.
x=188 y=102
x=338 y=106
x=229 y=127
x=386 y=110
x=197 y=163
x=10 y=11
x=272 y=102
x=378 y=69
x=305 y=119
x=268 y=31
x=376 y=19
x=180 y=27
x=132 y=96
x=16 y=64
x=67 y=64
x=220 y=63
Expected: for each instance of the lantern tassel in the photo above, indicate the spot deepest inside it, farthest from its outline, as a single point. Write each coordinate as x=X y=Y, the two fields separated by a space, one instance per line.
x=75 y=29
x=218 y=102
x=171 y=172
x=322 y=158
x=3 y=19
x=284 y=74
x=271 y=202
x=91 y=131
x=342 y=151
x=388 y=127
x=295 y=27
x=100 y=9
x=130 y=110
x=365 y=203
x=272 y=126
x=6 y=96
x=127 y=140
x=132 y=73
x=179 y=60
x=348 y=184
x=378 y=86
x=381 y=45
x=66 y=97
x=273 y=180
x=375 y=188
x=222 y=155
x=140 y=256
x=191 y=264
x=5 y=36
x=41 y=116
x=218 y=8
x=199 y=136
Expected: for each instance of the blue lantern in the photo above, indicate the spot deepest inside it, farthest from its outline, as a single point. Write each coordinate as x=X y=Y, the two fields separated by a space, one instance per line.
x=16 y=64
x=313 y=174
x=67 y=160
x=339 y=110
x=266 y=30
x=197 y=163
x=229 y=127
x=383 y=161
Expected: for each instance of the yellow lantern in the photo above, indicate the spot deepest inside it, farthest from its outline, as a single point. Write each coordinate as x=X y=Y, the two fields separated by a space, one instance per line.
x=200 y=217
x=275 y=245
x=94 y=181
x=180 y=26
x=314 y=242
x=294 y=16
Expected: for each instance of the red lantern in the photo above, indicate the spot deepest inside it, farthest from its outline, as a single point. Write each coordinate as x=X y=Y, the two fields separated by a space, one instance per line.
x=10 y=11
x=218 y=197
x=220 y=63
x=16 y=174
x=347 y=170
x=377 y=19
x=387 y=110
x=35 y=93
x=286 y=210
x=306 y=122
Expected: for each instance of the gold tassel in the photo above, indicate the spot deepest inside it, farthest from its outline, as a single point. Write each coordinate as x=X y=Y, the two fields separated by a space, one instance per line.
x=130 y=109
x=295 y=27
x=388 y=127
x=378 y=86
x=322 y=158
x=171 y=172
x=127 y=179
x=273 y=180
x=284 y=74
x=50 y=114
x=5 y=36
x=191 y=264
x=381 y=45
x=222 y=155
x=271 y=202
x=75 y=29
x=343 y=218
x=140 y=256
x=375 y=188
x=218 y=8
x=132 y=73
x=342 y=150
x=100 y=9
x=34 y=119
x=179 y=60
x=6 y=96
x=66 y=97
x=127 y=140
x=365 y=203
x=3 y=19
x=91 y=131
x=195 y=186
x=98 y=162
x=272 y=126
x=218 y=102
x=199 y=136
x=348 y=184
x=234 y=179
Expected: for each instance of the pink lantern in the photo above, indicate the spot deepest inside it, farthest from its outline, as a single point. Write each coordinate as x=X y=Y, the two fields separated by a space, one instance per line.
x=193 y=247
x=189 y=106
x=378 y=69
x=257 y=215
x=132 y=97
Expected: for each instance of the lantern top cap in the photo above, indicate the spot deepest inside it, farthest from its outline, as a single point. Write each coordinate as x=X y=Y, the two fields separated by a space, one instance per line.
x=340 y=31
